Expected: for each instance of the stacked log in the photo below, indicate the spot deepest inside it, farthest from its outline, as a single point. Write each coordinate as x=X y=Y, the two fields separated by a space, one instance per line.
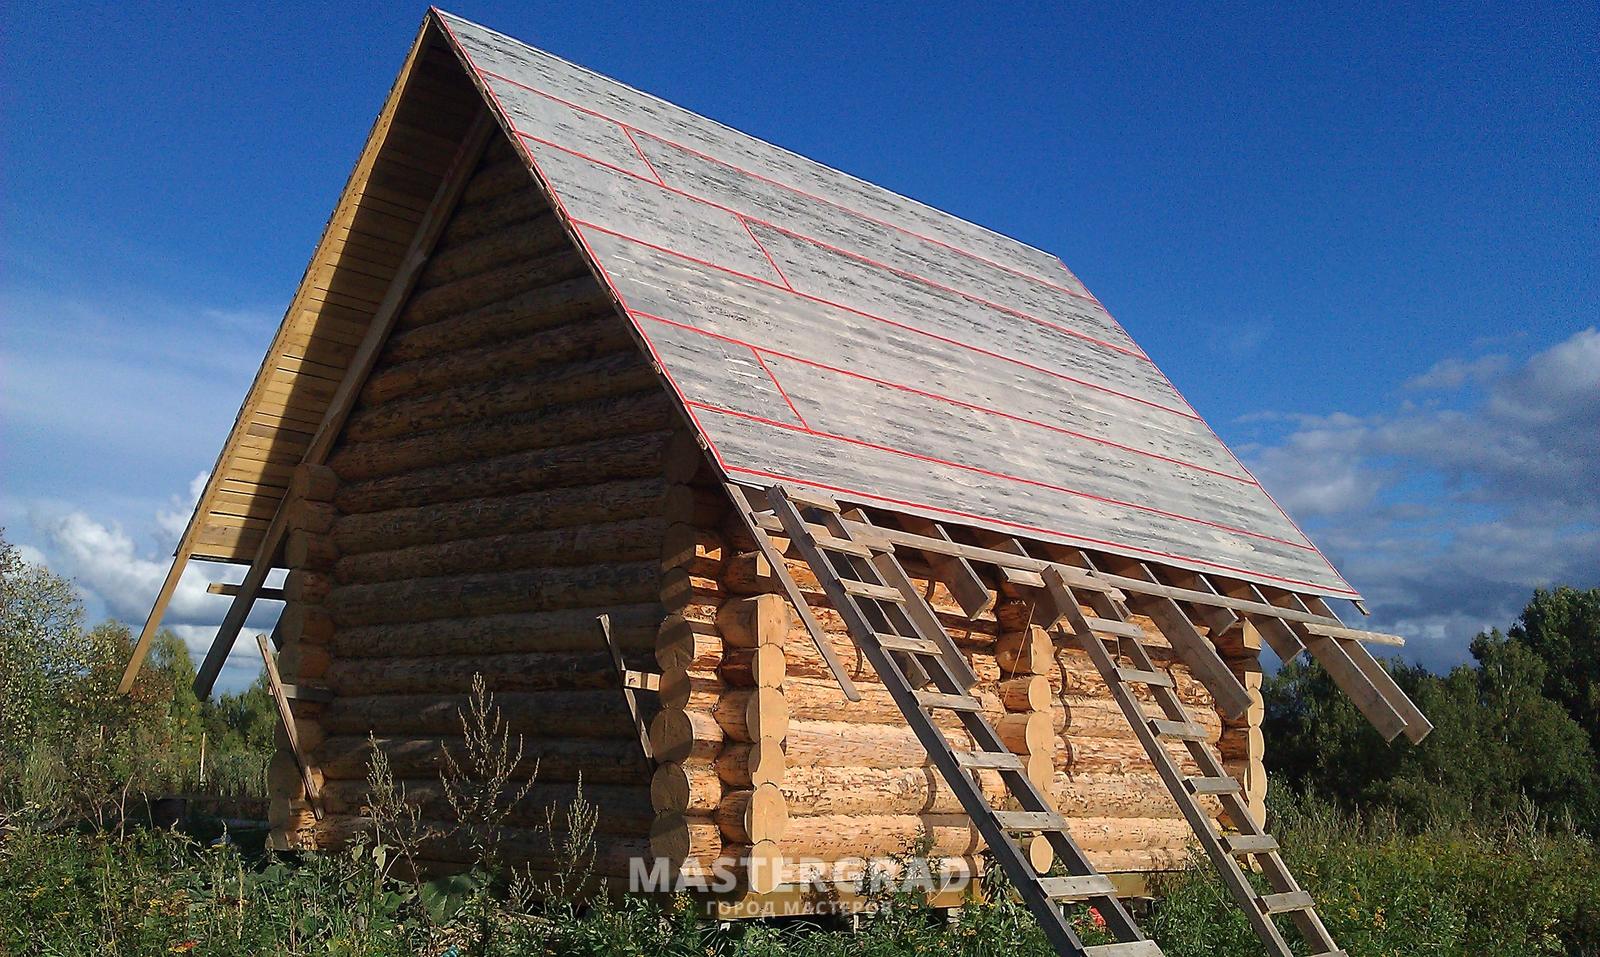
x=1029 y=728
x=1242 y=746
x=510 y=471
x=685 y=735
x=753 y=708
x=303 y=658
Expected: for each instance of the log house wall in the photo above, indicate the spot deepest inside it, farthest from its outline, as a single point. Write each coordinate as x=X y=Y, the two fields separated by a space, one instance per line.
x=514 y=469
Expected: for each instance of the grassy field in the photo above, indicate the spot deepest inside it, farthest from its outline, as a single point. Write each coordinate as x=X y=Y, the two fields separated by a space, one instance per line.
x=1514 y=889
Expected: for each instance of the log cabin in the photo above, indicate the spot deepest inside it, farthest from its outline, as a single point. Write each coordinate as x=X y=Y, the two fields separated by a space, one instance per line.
x=801 y=522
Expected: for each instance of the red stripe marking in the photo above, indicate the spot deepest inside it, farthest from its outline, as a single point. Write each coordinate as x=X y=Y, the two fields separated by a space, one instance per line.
x=740 y=214
x=763 y=247
x=635 y=143
x=1081 y=294
x=779 y=386
x=891 y=322
x=639 y=313
x=1049 y=532
x=1175 y=516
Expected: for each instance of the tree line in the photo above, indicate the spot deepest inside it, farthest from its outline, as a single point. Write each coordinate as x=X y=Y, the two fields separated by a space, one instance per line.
x=1517 y=727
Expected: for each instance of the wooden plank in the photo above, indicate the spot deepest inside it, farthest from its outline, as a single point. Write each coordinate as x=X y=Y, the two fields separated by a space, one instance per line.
x=780 y=571
x=343 y=399
x=225 y=588
x=286 y=718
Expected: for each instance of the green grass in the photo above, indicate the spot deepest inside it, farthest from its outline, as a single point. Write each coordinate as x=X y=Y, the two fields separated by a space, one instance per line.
x=1519 y=890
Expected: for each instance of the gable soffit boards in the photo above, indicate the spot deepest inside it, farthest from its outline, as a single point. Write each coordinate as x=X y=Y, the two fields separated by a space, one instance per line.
x=412 y=143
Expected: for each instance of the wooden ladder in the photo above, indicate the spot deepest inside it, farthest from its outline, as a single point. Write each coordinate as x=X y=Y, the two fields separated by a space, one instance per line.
x=1111 y=639
x=901 y=637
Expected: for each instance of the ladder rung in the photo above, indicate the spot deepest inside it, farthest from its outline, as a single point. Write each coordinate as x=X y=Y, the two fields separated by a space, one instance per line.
x=1178 y=730
x=919 y=646
x=1333 y=953
x=1153 y=678
x=949 y=702
x=843 y=546
x=1110 y=626
x=1241 y=844
x=999 y=760
x=1222 y=785
x=1283 y=903
x=1078 y=888
x=869 y=590
x=1030 y=820
x=1131 y=948
x=812 y=498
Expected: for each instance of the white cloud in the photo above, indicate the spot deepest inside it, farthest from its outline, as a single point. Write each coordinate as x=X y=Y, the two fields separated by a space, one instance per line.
x=1448 y=375
x=173 y=520
x=110 y=571
x=1447 y=516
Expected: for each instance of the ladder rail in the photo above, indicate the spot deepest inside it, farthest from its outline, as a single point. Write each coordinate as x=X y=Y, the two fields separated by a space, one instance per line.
x=780 y=570
x=1259 y=909
x=867 y=617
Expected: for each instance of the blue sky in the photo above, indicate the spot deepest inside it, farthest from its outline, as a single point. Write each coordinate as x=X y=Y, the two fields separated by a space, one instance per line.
x=1363 y=240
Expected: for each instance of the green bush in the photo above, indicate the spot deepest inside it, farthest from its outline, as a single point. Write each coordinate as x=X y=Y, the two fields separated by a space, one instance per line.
x=1385 y=891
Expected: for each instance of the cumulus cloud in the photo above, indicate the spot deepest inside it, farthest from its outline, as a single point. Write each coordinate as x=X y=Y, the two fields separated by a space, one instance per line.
x=1450 y=374
x=114 y=574
x=1447 y=515
x=175 y=518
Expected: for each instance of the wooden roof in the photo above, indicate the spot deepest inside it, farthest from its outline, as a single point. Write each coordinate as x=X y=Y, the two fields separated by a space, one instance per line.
x=817 y=329
x=823 y=331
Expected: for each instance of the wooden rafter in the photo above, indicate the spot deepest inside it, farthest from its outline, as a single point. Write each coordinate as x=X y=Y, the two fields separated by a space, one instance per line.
x=349 y=388
x=953 y=571
x=1191 y=647
x=239 y=459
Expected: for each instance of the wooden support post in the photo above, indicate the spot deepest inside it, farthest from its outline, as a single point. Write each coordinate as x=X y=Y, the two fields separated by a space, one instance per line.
x=629 y=681
x=280 y=698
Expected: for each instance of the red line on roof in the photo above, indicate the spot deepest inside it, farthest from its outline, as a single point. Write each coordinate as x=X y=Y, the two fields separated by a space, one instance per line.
x=743 y=216
x=936 y=396
x=635 y=144
x=1083 y=294
x=980 y=519
x=1246 y=469
x=763 y=247
x=867 y=315
x=779 y=386
x=1176 y=516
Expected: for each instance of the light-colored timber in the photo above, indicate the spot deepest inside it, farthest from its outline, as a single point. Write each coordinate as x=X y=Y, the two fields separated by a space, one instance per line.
x=576 y=380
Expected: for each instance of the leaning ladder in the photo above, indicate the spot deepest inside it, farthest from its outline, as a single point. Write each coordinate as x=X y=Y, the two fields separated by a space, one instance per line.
x=903 y=641
x=1109 y=638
